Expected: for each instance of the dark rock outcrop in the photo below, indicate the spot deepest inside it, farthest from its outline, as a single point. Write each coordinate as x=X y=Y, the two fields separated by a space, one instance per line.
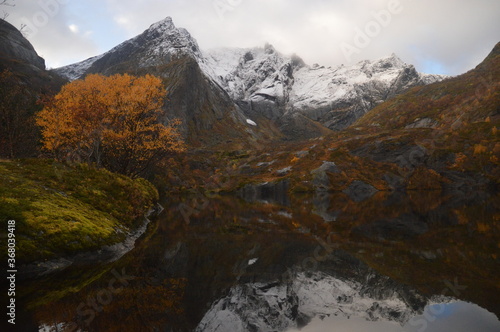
x=358 y=191
x=321 y=181
x=275 y=192
x=19 y=56
x=23 y=80
x=13 y=45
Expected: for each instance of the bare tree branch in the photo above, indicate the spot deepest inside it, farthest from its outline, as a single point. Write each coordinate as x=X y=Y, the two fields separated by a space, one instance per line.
x=23 y=29
x=6 y=3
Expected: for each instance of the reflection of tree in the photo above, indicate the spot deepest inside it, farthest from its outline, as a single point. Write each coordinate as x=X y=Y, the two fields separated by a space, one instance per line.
x=145 y=305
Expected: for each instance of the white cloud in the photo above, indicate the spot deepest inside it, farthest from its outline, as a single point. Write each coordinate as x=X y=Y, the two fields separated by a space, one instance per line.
x=74 y=28
x=450 y=36
x=121 y=20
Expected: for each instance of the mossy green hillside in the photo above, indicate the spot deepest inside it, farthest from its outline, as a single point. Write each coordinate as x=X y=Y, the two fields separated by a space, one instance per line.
x=61 y=209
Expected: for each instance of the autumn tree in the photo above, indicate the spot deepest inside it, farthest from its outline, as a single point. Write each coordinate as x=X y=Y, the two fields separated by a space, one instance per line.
x=115 y=122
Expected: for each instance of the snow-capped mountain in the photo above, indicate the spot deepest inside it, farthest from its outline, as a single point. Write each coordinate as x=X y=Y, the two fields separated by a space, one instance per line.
x=252 y=74
x=272 y=84
x=264 y=84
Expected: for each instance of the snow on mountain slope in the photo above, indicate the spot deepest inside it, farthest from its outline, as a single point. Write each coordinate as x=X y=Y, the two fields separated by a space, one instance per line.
x=321 y=86
x=273 y=84
x=223 y=61
x=78 y=70
x=431 y=78
x=247 y=73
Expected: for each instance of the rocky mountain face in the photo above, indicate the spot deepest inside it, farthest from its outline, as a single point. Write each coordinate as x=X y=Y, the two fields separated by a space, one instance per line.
x=19 y=56
x=14 y=46
x=23 y=78
x=282 y=96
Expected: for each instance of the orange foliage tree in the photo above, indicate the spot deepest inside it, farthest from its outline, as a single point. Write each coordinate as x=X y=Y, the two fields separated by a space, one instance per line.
x=115 y=122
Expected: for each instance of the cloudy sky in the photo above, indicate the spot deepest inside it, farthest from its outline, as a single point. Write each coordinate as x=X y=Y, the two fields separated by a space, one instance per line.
x=437 y=36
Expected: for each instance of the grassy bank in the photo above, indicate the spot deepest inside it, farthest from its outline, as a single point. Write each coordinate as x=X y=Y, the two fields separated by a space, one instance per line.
x=61 y=210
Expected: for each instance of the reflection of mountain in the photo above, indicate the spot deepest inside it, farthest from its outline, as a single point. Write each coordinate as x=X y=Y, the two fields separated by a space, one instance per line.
x=341 y=286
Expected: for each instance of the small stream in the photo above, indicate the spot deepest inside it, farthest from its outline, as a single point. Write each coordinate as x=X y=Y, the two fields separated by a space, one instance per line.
x=314 y=262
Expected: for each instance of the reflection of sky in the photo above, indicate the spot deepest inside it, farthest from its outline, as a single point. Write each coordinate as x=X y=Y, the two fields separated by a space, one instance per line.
x=457 y=317
x=444 y=310
x=354 y=324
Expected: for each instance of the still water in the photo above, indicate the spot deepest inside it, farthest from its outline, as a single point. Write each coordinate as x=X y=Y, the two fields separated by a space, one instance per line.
x=393 y=262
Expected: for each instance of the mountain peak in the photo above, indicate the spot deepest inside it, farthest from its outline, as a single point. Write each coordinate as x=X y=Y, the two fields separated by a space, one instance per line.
x=387 y=62
x=164 y=38
x=269 y=49
x=166 y=24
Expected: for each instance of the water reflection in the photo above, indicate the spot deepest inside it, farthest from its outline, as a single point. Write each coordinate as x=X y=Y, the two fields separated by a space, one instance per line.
x=335 y=285
x=276 y=263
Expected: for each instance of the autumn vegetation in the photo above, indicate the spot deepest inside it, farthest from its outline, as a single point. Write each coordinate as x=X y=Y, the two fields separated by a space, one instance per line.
x=115 y=122
x=63 y=209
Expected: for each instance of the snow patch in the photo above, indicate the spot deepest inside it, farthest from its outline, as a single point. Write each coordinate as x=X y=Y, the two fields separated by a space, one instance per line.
x=250 y=122
x=252 y=261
